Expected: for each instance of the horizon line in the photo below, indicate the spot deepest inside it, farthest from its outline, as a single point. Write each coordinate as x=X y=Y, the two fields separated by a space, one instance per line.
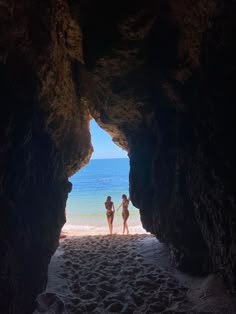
x=109 y=158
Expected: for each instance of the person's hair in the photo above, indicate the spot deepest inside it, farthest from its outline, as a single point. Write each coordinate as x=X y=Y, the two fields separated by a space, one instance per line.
x=124 y=196
x=108 y=198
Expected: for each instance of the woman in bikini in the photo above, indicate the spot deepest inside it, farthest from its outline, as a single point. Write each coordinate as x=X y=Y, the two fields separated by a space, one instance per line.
x=125 y=212
x=110 y=209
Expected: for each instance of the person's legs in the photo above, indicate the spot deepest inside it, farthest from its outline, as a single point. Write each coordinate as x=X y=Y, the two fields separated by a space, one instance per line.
x=109 y=224
x=123 y=216
x=126 y=225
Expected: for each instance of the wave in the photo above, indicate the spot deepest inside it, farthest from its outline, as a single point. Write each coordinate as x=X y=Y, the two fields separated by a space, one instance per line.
x=71 y=229
x=78 y=227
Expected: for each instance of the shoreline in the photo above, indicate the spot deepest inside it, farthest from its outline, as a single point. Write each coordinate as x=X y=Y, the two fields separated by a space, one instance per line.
x=73 y=230
x=125 y=274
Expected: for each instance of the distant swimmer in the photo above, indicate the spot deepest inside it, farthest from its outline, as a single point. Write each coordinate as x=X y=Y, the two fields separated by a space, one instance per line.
x=125 y=212
x=110 y=209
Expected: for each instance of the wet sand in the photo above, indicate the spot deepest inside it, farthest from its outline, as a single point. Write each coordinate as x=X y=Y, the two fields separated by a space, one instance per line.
x=125 y=274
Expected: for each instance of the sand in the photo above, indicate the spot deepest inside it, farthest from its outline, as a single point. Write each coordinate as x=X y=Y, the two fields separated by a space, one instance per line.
x=125 y=274
x=79 y=230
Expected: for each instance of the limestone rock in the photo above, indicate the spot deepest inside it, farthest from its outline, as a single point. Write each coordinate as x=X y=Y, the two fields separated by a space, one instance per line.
x=159 y=77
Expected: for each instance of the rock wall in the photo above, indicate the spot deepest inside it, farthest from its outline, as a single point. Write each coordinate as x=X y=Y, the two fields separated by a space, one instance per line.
x=44 y=139
x=158 y=76
x=164 y=88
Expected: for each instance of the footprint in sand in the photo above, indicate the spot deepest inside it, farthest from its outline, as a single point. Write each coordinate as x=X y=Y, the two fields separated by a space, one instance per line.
x=107 y=287
x=117 y=280
x=115 y=307
x=86 y=296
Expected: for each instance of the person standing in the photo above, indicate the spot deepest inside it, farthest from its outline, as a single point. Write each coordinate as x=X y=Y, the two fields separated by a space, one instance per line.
x=125 y=212
x=110 y=209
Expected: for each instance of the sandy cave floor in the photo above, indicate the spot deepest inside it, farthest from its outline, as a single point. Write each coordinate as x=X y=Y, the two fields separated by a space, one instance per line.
x=125 y=274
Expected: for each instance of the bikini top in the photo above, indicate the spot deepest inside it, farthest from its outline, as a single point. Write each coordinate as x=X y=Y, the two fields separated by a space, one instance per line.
x=108 y=205
x=125 y=205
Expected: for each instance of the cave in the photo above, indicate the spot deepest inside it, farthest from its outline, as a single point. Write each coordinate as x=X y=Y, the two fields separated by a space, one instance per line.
x=159 y=77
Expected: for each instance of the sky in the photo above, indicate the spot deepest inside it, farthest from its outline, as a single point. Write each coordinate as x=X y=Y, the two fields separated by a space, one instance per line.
x=102 y=144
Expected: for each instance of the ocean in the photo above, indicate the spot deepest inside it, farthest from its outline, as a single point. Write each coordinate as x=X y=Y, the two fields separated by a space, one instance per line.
x=85 y=210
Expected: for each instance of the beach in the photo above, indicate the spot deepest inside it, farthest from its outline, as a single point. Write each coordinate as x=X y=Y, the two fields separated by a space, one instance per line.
x=94 y=272
x=101 y=229
x=125 y=274
x=85 y=209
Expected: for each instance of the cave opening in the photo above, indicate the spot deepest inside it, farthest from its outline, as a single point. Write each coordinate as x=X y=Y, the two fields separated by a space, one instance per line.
x=106 y=174
x=160 y=75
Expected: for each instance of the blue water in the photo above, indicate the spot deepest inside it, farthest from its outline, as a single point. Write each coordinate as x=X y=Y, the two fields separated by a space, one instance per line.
x=85 y=209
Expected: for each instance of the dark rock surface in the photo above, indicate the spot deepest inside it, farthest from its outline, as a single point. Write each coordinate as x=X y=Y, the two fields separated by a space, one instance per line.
x=159 y=77
x=44 y=138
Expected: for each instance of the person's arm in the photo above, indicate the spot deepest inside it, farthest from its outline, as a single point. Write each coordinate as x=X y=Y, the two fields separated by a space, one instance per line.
x=119 y=205
x=113 y=206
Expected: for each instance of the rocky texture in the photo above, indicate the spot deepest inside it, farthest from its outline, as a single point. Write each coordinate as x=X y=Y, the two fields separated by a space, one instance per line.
x=44 y=139
x=158 y=76
x=167 y=85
